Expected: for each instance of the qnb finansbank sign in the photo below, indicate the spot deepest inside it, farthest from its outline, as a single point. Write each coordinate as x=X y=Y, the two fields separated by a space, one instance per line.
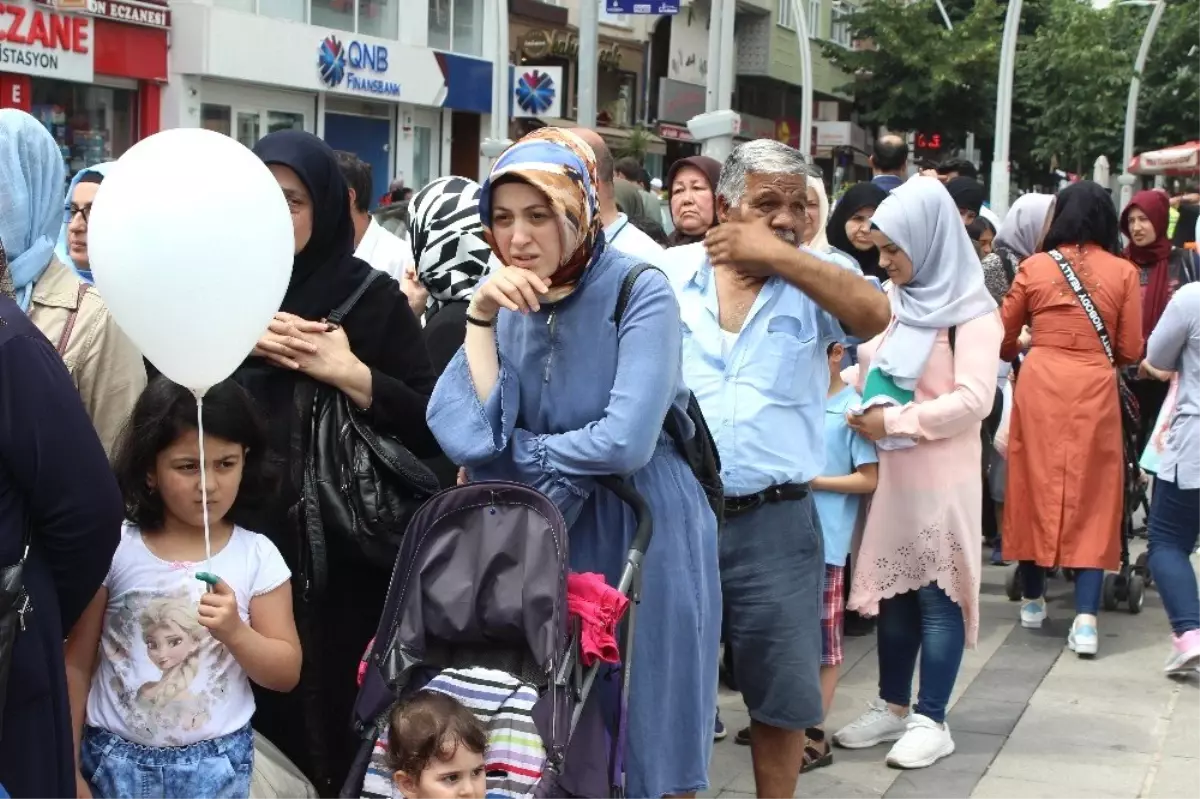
x=45 y=44
x=356 y=67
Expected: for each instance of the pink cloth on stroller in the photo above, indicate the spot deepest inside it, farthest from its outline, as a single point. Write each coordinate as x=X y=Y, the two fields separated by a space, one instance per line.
x=599 y=607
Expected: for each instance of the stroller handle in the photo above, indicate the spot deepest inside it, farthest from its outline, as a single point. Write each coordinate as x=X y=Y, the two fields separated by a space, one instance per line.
x=641 y=511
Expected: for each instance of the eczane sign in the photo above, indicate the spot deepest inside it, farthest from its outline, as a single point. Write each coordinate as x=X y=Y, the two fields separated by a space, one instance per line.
x=46 y=44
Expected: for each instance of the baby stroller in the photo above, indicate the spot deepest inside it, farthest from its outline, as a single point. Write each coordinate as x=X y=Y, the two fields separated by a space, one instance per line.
x=481 y=582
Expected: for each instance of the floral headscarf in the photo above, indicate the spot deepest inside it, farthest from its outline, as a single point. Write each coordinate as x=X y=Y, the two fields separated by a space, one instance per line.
x=561 y=166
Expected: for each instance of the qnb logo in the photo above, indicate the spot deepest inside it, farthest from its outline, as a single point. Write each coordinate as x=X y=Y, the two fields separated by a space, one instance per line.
x=535 y=92
x=331 y=61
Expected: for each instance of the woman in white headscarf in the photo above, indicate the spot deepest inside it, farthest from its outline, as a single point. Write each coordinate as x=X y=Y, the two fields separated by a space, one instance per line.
x=105 y=366
x=1018 y=238
x=817 y=214
x=918 y=565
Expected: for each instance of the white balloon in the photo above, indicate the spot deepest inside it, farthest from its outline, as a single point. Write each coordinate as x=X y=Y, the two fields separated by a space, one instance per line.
x=191 y=243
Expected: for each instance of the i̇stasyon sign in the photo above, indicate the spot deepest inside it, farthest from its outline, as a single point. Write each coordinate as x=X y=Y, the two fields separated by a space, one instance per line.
x=46 y=44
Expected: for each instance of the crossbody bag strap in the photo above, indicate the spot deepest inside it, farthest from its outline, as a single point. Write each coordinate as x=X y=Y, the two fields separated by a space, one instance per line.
x=72 y=317
x=1085 y=300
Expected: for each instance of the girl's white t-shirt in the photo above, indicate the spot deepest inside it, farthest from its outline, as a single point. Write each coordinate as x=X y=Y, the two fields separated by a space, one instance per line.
x=162 y=679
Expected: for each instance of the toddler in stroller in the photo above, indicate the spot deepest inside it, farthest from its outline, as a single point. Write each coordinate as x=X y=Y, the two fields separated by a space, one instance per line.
x=477 y=609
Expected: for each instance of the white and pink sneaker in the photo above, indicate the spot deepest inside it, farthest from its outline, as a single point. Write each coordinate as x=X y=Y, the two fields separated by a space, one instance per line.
x=1185 y=657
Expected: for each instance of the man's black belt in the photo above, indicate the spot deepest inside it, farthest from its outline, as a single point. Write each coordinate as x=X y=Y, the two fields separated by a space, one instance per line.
x=789 y=492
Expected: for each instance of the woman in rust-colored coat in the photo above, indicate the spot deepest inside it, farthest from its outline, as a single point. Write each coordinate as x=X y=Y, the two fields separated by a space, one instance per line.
x=1065 y=459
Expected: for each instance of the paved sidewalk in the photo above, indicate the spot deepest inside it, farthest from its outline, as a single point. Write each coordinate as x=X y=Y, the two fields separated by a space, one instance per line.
x=1029 y=718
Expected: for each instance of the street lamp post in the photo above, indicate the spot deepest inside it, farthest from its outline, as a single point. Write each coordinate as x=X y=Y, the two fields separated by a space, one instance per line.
x=1135 y=84
x=1008 y=57
x=498 y=142
x=804 y=45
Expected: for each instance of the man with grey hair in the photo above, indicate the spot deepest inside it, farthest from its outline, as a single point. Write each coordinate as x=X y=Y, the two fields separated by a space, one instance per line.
x=759 y=313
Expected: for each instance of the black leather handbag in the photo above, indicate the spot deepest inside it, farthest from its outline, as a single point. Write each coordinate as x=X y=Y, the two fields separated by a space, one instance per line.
x=14 y=604
x=360 y=485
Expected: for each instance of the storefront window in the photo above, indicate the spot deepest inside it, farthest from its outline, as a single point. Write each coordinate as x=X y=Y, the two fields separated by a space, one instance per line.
x=439 y=24
x=247 y=128
x=90 y=123
x=378 y=18
x=217 y=118
x=284 y=120
x=337 y=14
x=250 y=122
x=422 y=152
x=294 y=10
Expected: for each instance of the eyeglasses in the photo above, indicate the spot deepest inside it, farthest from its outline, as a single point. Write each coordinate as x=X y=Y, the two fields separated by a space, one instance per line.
x=83 y=210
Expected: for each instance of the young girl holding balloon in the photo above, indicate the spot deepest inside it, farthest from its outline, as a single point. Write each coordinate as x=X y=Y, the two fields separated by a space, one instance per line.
x=194 y=607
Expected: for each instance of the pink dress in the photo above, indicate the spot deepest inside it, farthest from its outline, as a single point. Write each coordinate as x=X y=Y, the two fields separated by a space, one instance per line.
x=924 y=521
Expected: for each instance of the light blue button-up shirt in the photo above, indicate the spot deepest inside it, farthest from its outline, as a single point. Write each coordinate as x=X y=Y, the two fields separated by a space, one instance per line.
x=765 y=401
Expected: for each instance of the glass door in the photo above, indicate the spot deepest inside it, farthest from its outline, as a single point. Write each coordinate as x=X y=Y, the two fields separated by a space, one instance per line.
x=248 y=127
x=427 y=146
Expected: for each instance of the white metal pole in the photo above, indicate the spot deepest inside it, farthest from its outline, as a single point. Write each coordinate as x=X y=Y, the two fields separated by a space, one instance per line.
x=804 y=44
x=728 y=65
x=495 y=144
x=945 y=16
x=1135 y=85
x=712 y=78
x=1008 y=55
x=589 y=61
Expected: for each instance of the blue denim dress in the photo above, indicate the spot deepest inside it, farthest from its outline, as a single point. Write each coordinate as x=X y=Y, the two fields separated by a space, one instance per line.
x=578 y=399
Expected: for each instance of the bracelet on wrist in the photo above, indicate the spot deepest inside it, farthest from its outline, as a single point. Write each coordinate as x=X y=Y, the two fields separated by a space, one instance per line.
x=475 y=320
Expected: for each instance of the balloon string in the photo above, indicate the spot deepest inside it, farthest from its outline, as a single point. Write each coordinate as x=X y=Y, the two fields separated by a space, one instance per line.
x=204 y=484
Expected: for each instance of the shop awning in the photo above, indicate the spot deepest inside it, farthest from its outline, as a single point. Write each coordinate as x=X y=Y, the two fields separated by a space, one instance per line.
x=1180 y=161
x=614 y=137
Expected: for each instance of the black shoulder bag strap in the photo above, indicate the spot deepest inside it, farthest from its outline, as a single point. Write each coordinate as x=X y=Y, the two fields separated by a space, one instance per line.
x=309 y=521
x=627 y=290
x=1085 y=300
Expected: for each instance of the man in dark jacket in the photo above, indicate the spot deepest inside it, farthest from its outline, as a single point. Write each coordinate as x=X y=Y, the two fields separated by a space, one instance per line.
x=54 y=476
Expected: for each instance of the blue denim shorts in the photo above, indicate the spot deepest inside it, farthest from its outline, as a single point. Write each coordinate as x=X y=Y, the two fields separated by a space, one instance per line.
x=773 y=580
x=119 y=769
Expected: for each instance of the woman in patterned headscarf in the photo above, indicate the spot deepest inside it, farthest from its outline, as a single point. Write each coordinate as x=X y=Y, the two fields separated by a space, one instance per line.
x=451 y=257
x=549 y=392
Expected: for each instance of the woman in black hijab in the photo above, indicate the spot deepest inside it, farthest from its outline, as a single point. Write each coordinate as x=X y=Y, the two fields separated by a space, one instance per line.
x=377 y=358
x=849 y=227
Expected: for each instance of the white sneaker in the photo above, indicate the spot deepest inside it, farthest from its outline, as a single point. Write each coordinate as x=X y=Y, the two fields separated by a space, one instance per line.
x=874 y=727
x=1084 y=639
x=925 y=743
x=1033 y=613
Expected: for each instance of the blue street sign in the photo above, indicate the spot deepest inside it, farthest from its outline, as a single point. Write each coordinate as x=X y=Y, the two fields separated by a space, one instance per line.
x=641 y=6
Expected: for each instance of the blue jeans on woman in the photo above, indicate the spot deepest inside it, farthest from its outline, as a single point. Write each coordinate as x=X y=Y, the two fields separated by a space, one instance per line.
x=1089 y=583
x=931 y=623
x=1173 y=531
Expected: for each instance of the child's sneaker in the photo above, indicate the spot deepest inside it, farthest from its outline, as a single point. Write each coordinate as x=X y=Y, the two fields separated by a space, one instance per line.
x=1185 y=655
x=1033 y=613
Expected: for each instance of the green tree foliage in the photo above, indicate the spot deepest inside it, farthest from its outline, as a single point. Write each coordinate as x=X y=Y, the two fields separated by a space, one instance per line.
x=1169 y=101
x=919 y=75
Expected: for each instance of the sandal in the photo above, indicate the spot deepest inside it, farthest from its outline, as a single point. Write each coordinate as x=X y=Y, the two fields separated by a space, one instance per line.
x=815 y=758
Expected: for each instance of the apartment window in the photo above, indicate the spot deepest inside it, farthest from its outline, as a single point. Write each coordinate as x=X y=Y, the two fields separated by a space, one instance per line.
x=456 y=25
x=336 y=14
x=784 y=16
x=618 y=20
x=840 y=29
x=236 y=5
x=814 y=18
x=294 y=10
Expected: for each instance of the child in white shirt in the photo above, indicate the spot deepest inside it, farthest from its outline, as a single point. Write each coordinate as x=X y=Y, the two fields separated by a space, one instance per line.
x=160 y=663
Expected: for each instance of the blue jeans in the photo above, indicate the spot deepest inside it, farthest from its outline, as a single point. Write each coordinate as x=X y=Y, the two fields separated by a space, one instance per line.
x=1173 y=531
x=119 y=769
x=1088 y=585
x=925 y=621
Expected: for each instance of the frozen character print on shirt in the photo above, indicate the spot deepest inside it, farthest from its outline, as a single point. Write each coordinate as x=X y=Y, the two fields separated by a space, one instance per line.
x=169 y=672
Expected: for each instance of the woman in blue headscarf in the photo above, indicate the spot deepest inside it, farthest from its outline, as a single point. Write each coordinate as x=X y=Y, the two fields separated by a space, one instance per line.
x=105 y=366
x=549 y=391
x=72 y=237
